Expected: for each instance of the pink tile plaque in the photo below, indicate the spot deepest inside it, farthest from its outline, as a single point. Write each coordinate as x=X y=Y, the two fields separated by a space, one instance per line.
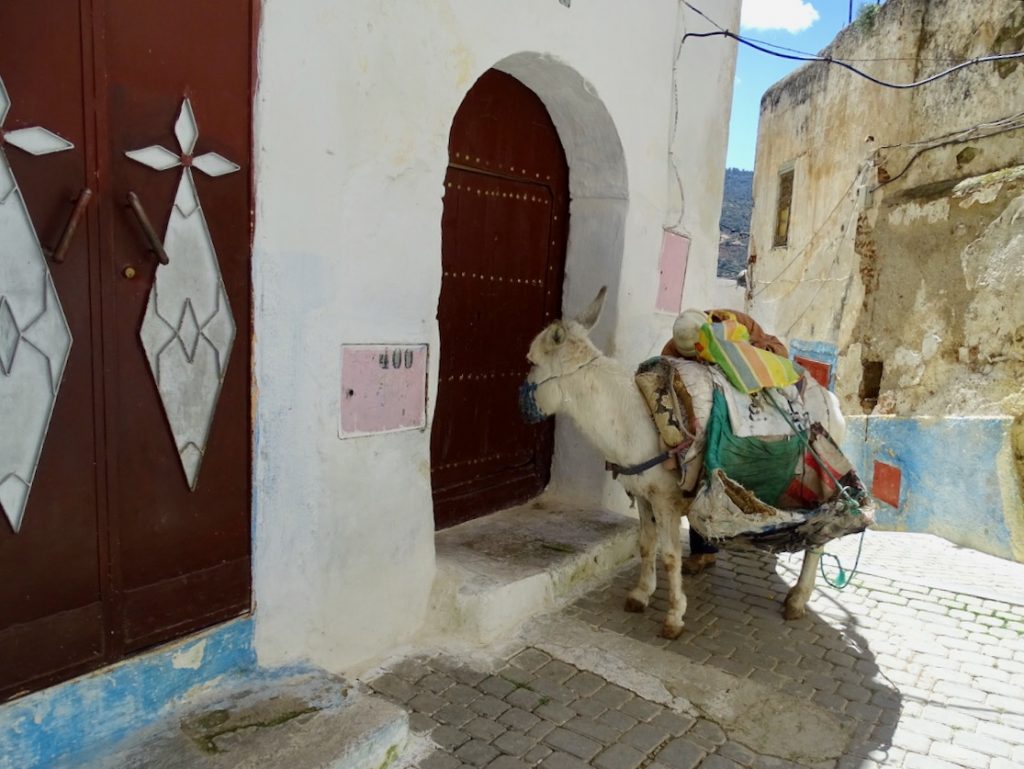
x=383 y=388
x=672 y=269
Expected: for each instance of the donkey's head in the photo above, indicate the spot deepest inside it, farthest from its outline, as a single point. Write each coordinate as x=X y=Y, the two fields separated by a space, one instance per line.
x=559 y=351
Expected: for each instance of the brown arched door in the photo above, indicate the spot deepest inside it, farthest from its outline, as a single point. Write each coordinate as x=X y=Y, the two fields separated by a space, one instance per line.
x=503 y=238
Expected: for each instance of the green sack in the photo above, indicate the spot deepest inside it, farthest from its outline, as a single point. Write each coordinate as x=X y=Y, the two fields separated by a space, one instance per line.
x=764 y=467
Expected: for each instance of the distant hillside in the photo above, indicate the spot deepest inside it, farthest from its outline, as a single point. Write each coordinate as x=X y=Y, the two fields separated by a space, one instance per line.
x=737 y=202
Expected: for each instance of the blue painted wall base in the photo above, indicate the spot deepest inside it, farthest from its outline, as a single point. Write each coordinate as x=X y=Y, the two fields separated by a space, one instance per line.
x=959 y=480
x=105 y=706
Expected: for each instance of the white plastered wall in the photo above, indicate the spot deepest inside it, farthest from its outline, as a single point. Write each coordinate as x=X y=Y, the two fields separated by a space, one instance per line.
x=354 y=106
x=705 y=70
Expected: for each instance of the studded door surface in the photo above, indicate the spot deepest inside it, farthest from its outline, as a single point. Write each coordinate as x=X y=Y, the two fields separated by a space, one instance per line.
x=503 y=253
x=124 y=357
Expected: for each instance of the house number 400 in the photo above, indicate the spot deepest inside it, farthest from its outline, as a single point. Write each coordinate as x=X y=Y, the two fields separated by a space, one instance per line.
x=396 y=359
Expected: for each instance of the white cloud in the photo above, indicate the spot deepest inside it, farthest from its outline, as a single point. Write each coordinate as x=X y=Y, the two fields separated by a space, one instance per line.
x=788 y=15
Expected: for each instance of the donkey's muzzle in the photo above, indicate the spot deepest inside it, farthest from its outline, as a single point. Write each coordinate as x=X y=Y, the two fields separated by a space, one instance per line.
x=532 y=413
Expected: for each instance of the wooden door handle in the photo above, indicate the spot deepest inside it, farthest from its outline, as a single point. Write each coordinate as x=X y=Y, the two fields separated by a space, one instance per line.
x=154 y=241
x=61 y=251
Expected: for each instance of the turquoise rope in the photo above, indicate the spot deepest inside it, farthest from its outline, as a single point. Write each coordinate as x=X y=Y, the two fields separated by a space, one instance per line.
x=842 y=578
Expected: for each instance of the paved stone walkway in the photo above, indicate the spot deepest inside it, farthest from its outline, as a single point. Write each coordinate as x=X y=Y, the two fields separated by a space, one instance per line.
x=889 y=672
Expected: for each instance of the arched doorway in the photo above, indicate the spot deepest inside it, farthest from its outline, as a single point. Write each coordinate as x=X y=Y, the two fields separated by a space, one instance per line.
x=503 y=243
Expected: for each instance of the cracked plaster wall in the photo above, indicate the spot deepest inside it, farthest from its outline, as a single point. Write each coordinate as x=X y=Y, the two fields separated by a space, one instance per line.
x=906 y=242
x=900 y=251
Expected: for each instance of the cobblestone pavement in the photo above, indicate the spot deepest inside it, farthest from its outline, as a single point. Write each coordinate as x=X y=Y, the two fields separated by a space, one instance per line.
x=910 y=675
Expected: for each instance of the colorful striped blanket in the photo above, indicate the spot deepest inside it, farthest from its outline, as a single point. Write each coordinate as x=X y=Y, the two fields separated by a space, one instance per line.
x=748 y=369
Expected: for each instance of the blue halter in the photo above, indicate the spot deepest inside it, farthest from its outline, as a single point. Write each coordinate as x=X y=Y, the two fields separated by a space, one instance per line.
x=532 y=413
x=528 y=407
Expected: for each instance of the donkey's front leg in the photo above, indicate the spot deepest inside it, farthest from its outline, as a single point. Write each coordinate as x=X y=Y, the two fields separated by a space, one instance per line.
x=796 y=599
x=640 y=595
x=669 y=518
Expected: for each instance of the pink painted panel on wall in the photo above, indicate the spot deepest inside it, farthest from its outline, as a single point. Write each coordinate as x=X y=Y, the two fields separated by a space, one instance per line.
x=383 y=388
x=672 y=269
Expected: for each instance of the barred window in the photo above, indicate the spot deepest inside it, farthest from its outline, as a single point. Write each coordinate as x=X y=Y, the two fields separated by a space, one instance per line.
x=783 y=208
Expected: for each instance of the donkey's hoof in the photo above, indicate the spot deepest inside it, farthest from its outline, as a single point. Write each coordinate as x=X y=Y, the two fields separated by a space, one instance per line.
x=793 y=609
x=697 y=563
x=670 y=631
x=635 y=605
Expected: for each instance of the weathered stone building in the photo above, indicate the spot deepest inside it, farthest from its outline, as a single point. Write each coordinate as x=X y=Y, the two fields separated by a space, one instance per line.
x=887 y=240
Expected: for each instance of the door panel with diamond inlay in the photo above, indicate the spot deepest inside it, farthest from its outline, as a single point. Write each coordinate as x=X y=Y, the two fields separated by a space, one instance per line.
x=51 y=585
x=182 y=424
x=125 y=520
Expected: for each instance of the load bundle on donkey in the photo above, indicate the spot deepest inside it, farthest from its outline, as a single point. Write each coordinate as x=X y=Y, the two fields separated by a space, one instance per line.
x=689 y=450
x=760 y=459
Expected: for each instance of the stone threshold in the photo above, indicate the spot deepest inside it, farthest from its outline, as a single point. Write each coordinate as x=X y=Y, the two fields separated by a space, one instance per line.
x=496 y=572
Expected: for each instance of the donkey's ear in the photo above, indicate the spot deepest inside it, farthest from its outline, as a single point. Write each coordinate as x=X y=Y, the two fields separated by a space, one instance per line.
x=588 y=318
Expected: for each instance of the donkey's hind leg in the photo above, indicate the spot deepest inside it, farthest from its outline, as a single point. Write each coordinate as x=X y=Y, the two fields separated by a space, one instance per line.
x=640 y=595
x=796 y=599
x=702 y=554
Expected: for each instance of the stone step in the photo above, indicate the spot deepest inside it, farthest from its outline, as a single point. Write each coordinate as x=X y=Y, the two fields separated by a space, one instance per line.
x=496 y=572
x=285 y=719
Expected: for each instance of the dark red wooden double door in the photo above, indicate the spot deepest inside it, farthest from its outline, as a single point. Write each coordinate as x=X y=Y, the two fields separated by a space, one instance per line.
x=125 y=512
x=503 y=233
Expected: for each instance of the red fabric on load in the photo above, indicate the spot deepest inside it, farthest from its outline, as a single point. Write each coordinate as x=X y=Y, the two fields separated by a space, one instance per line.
x=814 y=483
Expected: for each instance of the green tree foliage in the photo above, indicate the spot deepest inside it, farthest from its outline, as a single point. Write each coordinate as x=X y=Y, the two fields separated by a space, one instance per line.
x=866 y=14
x=734 y=225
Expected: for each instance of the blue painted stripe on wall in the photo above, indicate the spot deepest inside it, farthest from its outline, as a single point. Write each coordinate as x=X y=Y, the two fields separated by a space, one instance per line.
x=950 y=482
x=826 y=352
x=37 y=730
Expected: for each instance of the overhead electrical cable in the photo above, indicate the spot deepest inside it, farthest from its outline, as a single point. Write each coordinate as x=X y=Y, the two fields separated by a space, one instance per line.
x=722 y=32
x=778 y=47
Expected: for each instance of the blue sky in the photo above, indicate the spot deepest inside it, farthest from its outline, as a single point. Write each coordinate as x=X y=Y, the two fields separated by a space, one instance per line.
x=807 y=25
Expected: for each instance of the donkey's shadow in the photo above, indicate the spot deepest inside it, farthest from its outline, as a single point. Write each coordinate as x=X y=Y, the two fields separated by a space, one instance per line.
x=734 y=622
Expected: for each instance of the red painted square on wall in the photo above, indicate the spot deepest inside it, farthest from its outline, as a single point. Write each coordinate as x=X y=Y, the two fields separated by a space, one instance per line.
x=886 y=483
x=819 y=370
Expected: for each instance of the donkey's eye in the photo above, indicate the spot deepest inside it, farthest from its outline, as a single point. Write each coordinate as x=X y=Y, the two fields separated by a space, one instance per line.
x=558 y=335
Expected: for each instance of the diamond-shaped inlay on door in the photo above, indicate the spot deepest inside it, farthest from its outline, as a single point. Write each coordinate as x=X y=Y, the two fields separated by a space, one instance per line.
x=34 y=334
x=10 y=335
x=188 y=330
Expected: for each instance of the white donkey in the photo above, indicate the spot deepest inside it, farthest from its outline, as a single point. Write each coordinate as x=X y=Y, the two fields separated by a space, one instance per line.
x=570 y=376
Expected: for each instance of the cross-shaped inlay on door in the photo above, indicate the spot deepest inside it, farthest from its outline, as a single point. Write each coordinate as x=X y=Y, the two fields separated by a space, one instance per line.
x=34 y=334
x=188 y=328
